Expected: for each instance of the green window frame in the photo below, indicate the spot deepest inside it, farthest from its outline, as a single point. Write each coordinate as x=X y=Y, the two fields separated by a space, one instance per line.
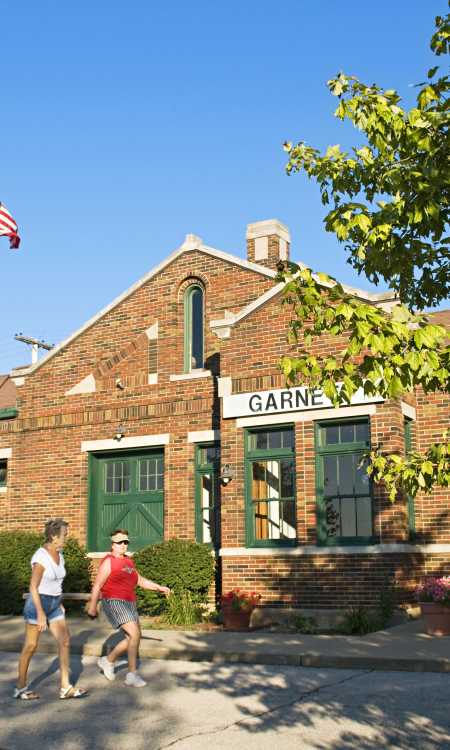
x=3 y=472
x=207 y=520
x=408 y=438
x=344 y=491
x=194 y=324
x=270 y=487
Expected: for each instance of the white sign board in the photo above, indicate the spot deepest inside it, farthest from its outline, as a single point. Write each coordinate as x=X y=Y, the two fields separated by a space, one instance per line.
x=284 y=400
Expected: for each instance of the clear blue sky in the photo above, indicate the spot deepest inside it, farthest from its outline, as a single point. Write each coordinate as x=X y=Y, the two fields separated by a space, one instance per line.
x=126 y=125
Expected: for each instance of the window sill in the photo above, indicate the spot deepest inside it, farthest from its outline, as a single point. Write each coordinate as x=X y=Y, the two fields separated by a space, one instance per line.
x=3 y=489
x=271 y=544
x=363 y=541
x=191 y=375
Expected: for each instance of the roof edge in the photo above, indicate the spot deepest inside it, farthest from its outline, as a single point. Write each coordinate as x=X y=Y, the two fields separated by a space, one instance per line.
x=185 y=247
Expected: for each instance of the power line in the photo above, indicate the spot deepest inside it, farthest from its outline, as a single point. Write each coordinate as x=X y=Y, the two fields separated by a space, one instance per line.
x=35 y=344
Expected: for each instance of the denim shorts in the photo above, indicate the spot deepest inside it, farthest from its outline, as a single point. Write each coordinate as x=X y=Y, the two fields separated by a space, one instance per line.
x=51 y=606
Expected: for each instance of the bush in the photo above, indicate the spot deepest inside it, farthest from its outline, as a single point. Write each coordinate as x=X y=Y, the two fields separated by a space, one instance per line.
x=181 y=565
x=306 y=625
x=181 y=610
x=359 y=621
x=16 y=551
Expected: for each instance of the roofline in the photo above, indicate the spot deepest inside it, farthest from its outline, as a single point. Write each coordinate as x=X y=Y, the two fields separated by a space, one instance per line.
x=187 y=246
x=224 y=323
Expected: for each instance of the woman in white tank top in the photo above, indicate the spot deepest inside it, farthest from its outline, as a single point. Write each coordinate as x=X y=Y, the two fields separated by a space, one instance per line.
x=43 y=609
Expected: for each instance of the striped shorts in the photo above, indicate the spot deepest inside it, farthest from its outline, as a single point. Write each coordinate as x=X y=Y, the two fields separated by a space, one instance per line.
x=120 y=611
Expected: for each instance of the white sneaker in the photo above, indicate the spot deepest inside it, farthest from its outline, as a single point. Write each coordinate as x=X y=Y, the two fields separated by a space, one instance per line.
x=106 y=667
x=134 y=680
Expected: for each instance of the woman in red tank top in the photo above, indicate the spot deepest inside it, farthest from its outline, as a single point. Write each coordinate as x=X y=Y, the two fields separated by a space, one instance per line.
x=116 y=582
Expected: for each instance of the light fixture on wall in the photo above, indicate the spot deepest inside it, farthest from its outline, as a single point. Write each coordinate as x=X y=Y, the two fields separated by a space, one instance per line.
x=227 y=474
x=120 y=433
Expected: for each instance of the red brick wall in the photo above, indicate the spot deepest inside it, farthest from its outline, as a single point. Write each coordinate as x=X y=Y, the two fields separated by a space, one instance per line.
x=48 y=471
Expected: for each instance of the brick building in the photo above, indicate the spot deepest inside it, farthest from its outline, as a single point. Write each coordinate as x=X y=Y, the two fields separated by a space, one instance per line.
x=166 y=414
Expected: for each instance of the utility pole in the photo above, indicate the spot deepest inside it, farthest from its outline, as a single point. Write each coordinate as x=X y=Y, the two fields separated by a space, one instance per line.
x=35 y=345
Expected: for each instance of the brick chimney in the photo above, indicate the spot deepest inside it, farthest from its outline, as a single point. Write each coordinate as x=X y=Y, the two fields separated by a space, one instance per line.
x=268 y=242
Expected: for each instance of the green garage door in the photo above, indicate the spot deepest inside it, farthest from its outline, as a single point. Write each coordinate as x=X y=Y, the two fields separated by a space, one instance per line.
x=126 y=491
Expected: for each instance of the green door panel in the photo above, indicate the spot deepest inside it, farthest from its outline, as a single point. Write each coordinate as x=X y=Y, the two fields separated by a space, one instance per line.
x=126 y=491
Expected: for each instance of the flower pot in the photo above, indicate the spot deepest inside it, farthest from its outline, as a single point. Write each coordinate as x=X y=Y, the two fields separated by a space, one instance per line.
x=437 y=618
x=236 y=619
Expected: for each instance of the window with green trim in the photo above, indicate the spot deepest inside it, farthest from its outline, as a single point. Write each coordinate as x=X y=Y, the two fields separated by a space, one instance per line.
x=206 y=494
x=408 y=437
x=270 y=487
x=3 y=471
x=193 y=328
x=344 y=489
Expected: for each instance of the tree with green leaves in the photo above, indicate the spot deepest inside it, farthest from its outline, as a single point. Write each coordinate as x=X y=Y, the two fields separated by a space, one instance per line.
x=389 y=204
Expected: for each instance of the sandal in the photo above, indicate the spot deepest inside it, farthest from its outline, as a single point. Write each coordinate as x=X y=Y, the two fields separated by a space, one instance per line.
x=25 y=694
x=72 y=692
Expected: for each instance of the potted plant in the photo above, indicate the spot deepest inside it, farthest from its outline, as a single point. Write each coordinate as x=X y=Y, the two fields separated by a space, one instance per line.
x=237 y=607
x=434 y=598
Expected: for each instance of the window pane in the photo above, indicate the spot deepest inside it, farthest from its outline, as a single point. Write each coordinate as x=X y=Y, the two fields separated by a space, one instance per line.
x=117 y=477
x=362 y=432
x=348 y=517
x=3 y=469
x=288 y=438
x=344 y=433
x=346 y=474
x=346 y=498
x=332 y=517
x=287 y=478
x=330 y=434
x=261 y=440
x=208 y=454
x=347 y=433
x=362 y=482
x=330 y=479
x=274 y=439
x=197 y=328
x=270 y=481
x=288 y=530
x=207 y=509
x=364 y=516
x=151 y=472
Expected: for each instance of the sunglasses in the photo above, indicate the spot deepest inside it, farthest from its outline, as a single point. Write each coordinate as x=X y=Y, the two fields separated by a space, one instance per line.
x=122 y=541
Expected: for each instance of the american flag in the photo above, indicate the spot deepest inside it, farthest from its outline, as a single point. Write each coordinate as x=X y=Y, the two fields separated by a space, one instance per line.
x=8 y=227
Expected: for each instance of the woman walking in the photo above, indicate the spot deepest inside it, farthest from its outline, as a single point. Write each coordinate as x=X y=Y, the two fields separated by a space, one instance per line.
x=43 y=609
x=116 y=583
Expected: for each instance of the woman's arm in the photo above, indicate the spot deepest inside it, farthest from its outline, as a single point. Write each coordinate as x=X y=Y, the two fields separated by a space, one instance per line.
x=37 y=572
x=102 y=576
x=145 y=583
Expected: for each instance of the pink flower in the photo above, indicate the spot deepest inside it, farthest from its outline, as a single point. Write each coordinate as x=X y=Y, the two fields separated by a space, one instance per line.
x=434 y=590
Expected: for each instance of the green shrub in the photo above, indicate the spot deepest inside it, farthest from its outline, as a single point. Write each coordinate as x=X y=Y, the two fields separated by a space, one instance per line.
x=181 y=610
x=181 y=565
x=16 y=551
x=358 y=621
x=306 y=625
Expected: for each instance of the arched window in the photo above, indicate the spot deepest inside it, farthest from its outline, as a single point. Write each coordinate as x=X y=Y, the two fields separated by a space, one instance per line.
x=193 y=328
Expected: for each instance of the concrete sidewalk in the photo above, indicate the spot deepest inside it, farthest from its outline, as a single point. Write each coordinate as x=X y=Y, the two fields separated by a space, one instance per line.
x=404 y=647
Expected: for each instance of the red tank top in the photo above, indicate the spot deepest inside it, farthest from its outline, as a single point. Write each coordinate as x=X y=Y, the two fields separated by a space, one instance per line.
x=122 y=581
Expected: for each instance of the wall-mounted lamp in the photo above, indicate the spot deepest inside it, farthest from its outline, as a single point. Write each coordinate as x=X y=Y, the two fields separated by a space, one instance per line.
x=227 y=474
x=120 y=433
x=119 y=384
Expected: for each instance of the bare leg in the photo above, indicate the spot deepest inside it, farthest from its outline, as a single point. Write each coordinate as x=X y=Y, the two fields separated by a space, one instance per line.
x=60 y=632
x=133 y=631
x=29 y=647
x=119 y=649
